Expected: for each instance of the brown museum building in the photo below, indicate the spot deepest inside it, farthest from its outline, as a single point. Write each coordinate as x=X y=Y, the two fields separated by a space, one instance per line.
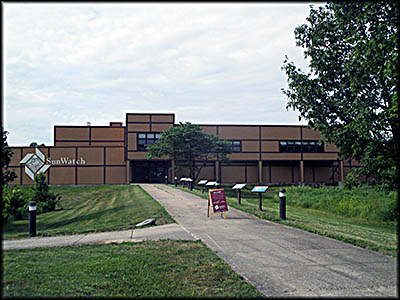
x=114 y=154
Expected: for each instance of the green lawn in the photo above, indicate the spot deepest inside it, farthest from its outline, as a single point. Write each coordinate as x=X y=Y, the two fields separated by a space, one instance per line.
x=93 y=209
x=371 y=234
x=146 y=269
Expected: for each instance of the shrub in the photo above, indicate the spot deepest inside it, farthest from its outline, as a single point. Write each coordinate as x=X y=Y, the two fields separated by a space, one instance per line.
x=360 y=201
x=14 y=204
x=45 y=200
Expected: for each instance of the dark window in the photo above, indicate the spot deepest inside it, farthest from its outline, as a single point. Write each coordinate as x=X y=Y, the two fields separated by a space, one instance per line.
x=235 y=145
x=301 y=146
x=144 y=139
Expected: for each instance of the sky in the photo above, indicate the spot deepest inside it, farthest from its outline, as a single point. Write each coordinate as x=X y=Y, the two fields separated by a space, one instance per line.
x=209 y=63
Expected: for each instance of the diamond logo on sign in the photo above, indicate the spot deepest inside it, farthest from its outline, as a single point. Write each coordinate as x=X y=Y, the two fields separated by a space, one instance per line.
x=34 y=163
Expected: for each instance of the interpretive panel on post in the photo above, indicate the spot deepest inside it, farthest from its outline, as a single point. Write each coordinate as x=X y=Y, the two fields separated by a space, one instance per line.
x=218 y=200
x=259 y=189
x=238 y=186
x=201 y=182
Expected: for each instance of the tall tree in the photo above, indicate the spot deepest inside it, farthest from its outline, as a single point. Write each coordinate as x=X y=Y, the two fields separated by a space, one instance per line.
x=6 y=155
x=189 y=143
x=350 y=94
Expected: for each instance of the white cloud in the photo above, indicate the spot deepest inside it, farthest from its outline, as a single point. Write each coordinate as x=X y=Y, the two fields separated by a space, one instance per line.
x=71 y=63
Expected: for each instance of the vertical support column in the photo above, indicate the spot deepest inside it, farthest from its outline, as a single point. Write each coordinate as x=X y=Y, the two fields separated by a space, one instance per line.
x=217 y=173
x=260 y=171
x=172 y=170
x=128 y=173
x=342 y=170
x=302 y=171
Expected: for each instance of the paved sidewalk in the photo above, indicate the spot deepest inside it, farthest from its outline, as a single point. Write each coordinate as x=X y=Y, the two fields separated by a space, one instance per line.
x=281 y=261
x=169 y=231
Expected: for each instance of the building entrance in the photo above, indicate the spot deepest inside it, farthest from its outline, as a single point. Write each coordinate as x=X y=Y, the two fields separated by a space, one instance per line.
x=148 y=171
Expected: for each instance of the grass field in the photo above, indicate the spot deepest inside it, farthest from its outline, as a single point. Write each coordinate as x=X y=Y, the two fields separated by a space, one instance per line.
x=147 y=269
x=372 y=234
x=93 y=209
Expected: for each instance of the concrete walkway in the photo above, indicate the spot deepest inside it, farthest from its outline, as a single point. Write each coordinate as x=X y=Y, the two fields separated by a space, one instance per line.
x=169 y=231
x=281 y=261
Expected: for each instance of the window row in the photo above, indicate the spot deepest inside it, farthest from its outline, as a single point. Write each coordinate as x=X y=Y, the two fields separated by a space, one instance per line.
x=301 y=146
x=145 y=139
x=235 y=145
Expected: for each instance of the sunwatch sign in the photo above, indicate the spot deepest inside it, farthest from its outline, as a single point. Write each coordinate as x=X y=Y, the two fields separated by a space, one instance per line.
x=66 y=161
x=36 y=163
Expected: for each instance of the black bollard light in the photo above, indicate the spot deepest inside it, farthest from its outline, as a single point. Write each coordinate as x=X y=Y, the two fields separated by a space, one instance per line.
x=166 y=179
x=32 y=218
x=176 y=181
x=282 y=204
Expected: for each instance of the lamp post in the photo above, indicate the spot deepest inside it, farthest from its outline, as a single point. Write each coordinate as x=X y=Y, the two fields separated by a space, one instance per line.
x=32 y=218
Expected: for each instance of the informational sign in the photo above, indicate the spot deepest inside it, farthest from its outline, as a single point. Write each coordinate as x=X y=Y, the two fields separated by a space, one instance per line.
x=202 y=182
x=238 y=186
x=259 y=189
x=217 y=202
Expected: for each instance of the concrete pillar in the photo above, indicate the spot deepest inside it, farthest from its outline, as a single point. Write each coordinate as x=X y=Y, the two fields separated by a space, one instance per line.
x=217 y=174
x=128 y=172
x=302 y=171
x=172 y=170
x=342 y=170
x=260 y=171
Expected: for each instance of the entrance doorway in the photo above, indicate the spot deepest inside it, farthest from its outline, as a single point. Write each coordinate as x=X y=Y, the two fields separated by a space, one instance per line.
x=148 y=171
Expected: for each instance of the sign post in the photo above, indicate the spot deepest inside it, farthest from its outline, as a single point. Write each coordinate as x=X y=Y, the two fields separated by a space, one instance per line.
x=217 y=203
x=259 y=190
x=202 y=183
x=239 y=187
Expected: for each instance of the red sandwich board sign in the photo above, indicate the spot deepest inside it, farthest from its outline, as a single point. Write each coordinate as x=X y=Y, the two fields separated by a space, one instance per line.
x=217 y=203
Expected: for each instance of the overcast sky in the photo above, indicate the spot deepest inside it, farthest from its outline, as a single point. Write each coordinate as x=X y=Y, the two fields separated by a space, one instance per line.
x=67 y=64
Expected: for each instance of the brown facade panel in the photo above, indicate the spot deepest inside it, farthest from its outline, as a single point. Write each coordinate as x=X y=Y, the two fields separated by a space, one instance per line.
x=209 y=129
x=132 y=141
x=281 y=156
x=281 y=174
x=243 y=156
x=136 y=155
x=91 y=156
x=16 y=156
x=163 y=118
x=160 y=127
x=115 y=156
x=331 y=148
x=27 y=180
x=206 y=173
x=296 y=174
x=280 y=133
x=237 y=132
x=320 y=156
x=107 y=144
x=139 y=127
x=138 y=118
x=252 y=174
x=107 y=134
x=62 y=175
x=58 y=153
x=233 y=174
x=308 y=174
x=323 y=174
x=61 y=144
x=265 y=177
x=250 y=146
x=72 y=133
x=115 y=175
x=311 y=134
x=270 y=146
x=90 y=175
